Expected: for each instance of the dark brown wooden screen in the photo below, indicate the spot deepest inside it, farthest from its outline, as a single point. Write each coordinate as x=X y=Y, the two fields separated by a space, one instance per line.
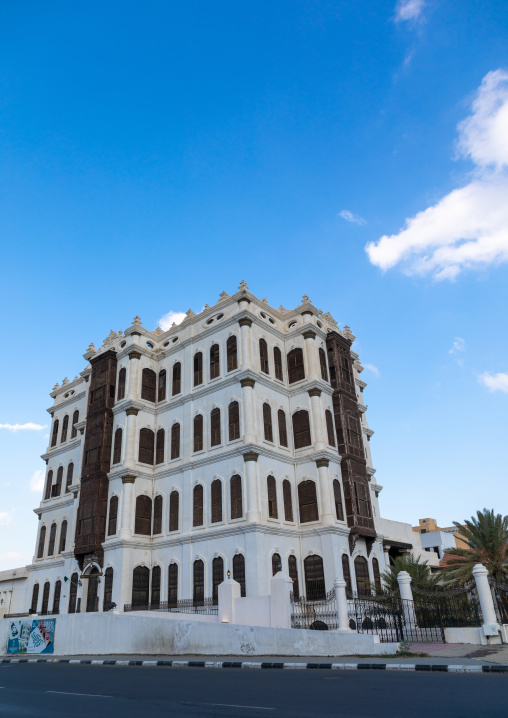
x=198 y=593
x=56 y=597
x=234 y=420
x=49 y=481
x=143 y=522
x=122 y=375
x=175 y=440
x=346 y=369
x=45 y=598
x=232 y=353
x=239 y=572
x=288 y=504
x=362 y=576
x=235 y=486
x=307 y=502
x=52 y=538
x=161 y=394
x=159 y=446
x=283 y=432
x=322 y=364
x=117 y=450
x=215 y=427
x=375 y=571
x=42 y=541
x=216 y=494
x=277 y=363
x=70 y=474
x=197 y=507
x=140 y=586
x=296 y=367
x=217 y=577
x=63 y=537
x=177 y=379
x=73 y=592
x=271 y=488
x=198 y=433
x=263 y=356
x=146 y=446
x=214 y=361
x=337 y=495
x=113 y=515
x=54 y=436
x=57 y=488
x=35 y=596
x=301 y=429
x=157 y=514
x=293 y=575
x=314 y=578
x=362 y=499
x=156 y=587
x=174 y=501
x=267 y=422
x=173 y=584
x=75 y=419
x=346 y=572
x=148 y=385
x=108 y=589
x=329 y=427
x=198 y=368
x=65 y=428
x=276 y=563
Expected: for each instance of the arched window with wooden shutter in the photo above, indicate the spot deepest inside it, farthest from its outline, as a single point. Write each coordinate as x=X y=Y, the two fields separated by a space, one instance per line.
x=271 y=488
x=217 y=577
x=156 y=587
x=173 y=584
x=73 y=593
x=45 y=598
x=175 y=440
x=57 y=488
x=296 y=367
x=176 y=386
x=329 y=428
x=42 y=541
x=117 y=448
x=198 y=368
x=143 y=521
x=288 y=502
x=307 y=502
x=293 y=575
x=174 y=501
x=375 y=571
x=267 y=422
x=235 y=485
x=362 y=576
x=108 y=589
x=148 y=385
x=234 y=420
x=346 y=572
x=157 y=515
x=65 y=429
x=113 y=515
x=49 y=481
x=314 y=578
x=363 y=499
x=146 y=446
x=323 y=365
x=35 y=598
x=54 y=436
x=198 y=592
x=56 y=597
x=63 y=537
x=232 y=353
x=337 y=495
x=276 y=563
x=198 y=433
x=263 y=356
x=75 y=419
x=197 y=506
x=159 y=446
x=277 y=363
x=122 y=375
x=52 y=538
x=70 y=475
x=301 y=429
x=215 y=438
x=239 y=572
x=214 y=361
x=283 y=432
x=140 y=587
x=216 y=495
x=161 y=394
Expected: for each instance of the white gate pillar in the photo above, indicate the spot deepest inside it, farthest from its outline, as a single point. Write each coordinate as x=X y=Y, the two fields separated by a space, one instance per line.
x=406 y=594
x=341 y=602
x=490 y=626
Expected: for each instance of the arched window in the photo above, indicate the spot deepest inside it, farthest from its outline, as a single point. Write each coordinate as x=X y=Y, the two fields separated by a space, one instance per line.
x=70 y=474
x=214 y=361
x=267 y=422
x=157 y=514
x=57 y=488
x=234 y=420
x=92 y=598
x=197 y=509
x=216 y=492
x=346 y=571
x=148 y=385
x=288 y=503
x=146 y=446
x=307 y=502
x=283 y=433
x=156 y=587
x=293 y=575
x=174 y=500
x=375 y=571
x=314 y=578
x=52 y=538
x=198 y=433
x=73 y=592
x=54 y=436
x=143 y=521
x=140 y=587
x=301 y=429
x=63 y=537
x=217 y=577
x=56 y=597
x=42 y=541
x=263 y=356
x=49 y=481
x=198 y=368
x=198 y=593
x=45 y=598
x=296 y=368
x=239 y=572
x=276 y=563
x=271 y=488
x=329 y=427
x=322 y=364
x=277 y=363
x=235 y=485
x=159 y=446
x=337 y=495
x=215 y=427
x=177 y=379
x=362 y=499
x=35 y=598
x=362 y=576
x=113 y=515
x=117 y=448
x=122 y=375
x=65 y=428
x=75 y=419
x=346 y=372
x=232 y=353
x=161 y=394
x=108 y=589
x=172 y=584
x=175 y=440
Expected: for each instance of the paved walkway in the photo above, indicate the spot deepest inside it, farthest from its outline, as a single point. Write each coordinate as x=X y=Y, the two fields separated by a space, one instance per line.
x=485 y=654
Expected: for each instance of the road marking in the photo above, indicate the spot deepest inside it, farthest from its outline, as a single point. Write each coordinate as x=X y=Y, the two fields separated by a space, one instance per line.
x=233 y=705
x=91 y=695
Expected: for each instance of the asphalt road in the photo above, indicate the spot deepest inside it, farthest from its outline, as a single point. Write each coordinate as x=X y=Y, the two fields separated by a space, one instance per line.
x=135 y=692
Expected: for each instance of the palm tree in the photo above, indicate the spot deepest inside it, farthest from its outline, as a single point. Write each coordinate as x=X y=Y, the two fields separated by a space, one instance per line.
x=421 y=576
x=487 y=536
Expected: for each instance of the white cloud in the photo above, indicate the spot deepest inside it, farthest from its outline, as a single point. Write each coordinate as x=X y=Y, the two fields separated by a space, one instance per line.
x=37 y=481
x=350 y=217
x=372 y=368
x=5 y=518
x=467 y=228
x=495 y=382
x=23 y=427
x=459 y=345
x=167 y=320
x=408 y=10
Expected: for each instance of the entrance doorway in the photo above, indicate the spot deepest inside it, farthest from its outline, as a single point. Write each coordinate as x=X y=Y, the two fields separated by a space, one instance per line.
x=92 y=599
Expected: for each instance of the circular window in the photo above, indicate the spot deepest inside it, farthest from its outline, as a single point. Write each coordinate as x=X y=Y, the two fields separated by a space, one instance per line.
x=149 y=345
x=123 y=344
x=263 y=315
x=319 y=324
x=272 y=321
x=210 y=321
x=292 y=325
x=166 y=344
x=219 y=316
x=66 y=395
x=175 y=340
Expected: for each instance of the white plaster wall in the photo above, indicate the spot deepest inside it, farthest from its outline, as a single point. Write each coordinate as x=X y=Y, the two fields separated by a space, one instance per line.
x=474 y=636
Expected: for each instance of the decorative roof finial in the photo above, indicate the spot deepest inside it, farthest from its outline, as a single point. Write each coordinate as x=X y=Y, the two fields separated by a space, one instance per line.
x=65 y=381
x=243 y=286
x=190 y=313
x=305 y=299
x=91 y=347
x=56 y=387
x=348 y=333
x=137 y=321
x=223 y=296
x=158 y=330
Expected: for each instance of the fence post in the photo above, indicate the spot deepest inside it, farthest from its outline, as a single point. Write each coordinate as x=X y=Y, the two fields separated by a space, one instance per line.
x=490 y=625
x=229 y=591
x=280 y=601
x=341 y=603
x=406 y=594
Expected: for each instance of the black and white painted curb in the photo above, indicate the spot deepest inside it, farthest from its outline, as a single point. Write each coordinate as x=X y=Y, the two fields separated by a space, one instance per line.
x=432 y=667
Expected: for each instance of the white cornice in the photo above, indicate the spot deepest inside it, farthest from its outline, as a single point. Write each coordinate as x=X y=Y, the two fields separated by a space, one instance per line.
x=57 y=450
x=58 y=502
x=68 y=402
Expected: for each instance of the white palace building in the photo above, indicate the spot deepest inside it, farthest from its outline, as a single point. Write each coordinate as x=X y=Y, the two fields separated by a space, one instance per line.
x=236 y=441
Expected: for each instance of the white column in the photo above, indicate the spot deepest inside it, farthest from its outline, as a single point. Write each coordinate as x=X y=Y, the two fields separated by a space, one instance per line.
x=481 y=577
x=132 y=388
x=319 y=439
x=245 y=325
x=327 y=514
x=229 y=591
x=131 y=436
x=280 y=603
x=406 y=594
x=311 y=355
x=341 y=604
x=126 y=522
x=248 y=429
x=251 y=479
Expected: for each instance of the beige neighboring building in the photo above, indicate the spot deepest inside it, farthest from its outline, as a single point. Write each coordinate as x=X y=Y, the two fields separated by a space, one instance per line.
x=437 y=539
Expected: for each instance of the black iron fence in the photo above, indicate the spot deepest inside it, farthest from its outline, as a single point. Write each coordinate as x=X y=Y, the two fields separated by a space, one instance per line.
x=205 y=606
x=318 y=615
x=499 y=590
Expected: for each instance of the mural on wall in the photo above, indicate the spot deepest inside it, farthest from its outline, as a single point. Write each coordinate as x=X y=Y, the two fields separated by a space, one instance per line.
x=31 y=636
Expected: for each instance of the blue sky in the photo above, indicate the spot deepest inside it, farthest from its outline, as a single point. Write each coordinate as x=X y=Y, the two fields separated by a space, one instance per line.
x=153 y=154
